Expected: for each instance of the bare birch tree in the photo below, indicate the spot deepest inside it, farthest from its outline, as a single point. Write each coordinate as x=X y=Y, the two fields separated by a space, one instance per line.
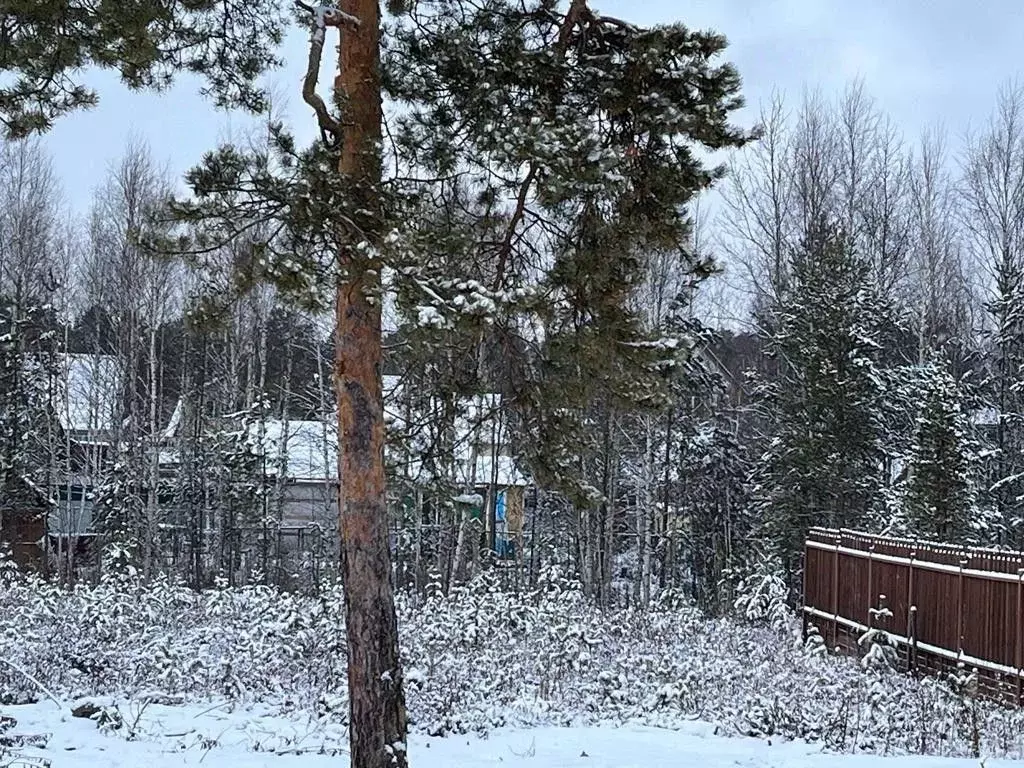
x=757 y=222
x=938 y=287
x=140 y=294
x=993 y=184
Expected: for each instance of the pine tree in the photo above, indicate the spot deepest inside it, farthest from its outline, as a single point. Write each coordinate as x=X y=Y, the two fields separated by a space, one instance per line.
x=823 y=460
x=940 y=492
x=576 y=133
x=46 y=47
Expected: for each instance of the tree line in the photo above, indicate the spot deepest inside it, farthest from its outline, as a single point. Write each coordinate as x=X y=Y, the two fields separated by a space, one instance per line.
x=875 y=384
x=511 y=187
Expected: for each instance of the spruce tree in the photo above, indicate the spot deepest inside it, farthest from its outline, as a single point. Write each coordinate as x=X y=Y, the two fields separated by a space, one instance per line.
x=823 y=459
x=940 y=491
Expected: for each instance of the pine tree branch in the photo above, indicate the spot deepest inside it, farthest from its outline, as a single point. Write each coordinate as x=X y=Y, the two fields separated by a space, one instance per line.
x=517 y=217
x=324 y=16
x=615 y=22
x=329 y=15
x=330 y=127
x=578 y=13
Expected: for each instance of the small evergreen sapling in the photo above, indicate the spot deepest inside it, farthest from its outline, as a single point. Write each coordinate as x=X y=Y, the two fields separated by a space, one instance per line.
x=880 y=648
x=761 y=595
x=964 y=683
x=815 y=645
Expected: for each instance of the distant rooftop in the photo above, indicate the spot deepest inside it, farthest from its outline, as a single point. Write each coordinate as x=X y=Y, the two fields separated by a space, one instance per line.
x=87 y=392
x=309 y=447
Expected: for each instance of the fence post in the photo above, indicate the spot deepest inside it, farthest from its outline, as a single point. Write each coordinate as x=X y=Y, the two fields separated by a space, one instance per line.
x=803 y=588
x=1017 y=623
x=960 y=606
x=835 y=595
x=871 y=589
x=911 y=614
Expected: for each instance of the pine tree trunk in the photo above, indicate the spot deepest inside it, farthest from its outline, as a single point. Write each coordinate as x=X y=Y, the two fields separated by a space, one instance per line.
x=377 y=722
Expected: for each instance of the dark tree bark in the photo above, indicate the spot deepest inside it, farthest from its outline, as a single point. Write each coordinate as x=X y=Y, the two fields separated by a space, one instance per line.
x=377 y=720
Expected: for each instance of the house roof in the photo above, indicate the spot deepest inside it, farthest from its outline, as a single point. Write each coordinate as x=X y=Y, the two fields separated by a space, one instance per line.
x=87 y=392
x=309 y=448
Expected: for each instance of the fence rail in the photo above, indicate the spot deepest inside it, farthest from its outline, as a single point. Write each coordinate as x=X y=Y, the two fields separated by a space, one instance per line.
x=948 y=604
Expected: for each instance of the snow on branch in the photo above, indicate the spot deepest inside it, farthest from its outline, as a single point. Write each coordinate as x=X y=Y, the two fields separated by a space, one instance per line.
x=324 y=16
x=329 y=15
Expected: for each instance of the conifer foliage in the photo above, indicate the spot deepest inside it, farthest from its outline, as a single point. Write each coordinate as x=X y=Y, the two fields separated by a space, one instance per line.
x=47 y=45
x=824 y=455
x=940 y=496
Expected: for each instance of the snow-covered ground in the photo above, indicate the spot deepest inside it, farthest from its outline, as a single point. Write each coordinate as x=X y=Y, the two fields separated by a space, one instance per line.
x=166 y=736
x=249 y=675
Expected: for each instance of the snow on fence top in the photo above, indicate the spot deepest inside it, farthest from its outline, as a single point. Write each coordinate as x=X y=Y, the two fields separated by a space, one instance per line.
x=974 y=558
x=949 y=604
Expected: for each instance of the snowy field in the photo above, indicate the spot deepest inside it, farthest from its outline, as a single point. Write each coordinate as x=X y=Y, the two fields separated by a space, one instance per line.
x=180 y=736
x=254 y=677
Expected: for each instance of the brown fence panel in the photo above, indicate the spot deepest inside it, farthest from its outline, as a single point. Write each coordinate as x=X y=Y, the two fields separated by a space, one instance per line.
x=948 y=604
x=819 y=588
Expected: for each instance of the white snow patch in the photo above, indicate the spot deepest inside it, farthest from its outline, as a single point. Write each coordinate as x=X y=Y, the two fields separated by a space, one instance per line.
x=169 y=737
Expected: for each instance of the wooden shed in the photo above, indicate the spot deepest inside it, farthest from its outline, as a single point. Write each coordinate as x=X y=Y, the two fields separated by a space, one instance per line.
x=23 y=511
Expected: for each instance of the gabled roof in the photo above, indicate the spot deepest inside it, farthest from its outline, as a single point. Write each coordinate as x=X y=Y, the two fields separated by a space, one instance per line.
x=87 y=392
x=309 y=448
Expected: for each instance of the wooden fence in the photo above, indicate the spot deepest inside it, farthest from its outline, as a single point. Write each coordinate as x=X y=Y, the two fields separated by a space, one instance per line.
x=949 y=604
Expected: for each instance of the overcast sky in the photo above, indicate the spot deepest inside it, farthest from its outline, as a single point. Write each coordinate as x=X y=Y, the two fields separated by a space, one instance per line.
x=925 y=61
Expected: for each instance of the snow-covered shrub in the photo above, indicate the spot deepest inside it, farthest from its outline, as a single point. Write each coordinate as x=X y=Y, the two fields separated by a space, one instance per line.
x=814 y=645
x=477 y=659
x=880 y=650
x=761 y=595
